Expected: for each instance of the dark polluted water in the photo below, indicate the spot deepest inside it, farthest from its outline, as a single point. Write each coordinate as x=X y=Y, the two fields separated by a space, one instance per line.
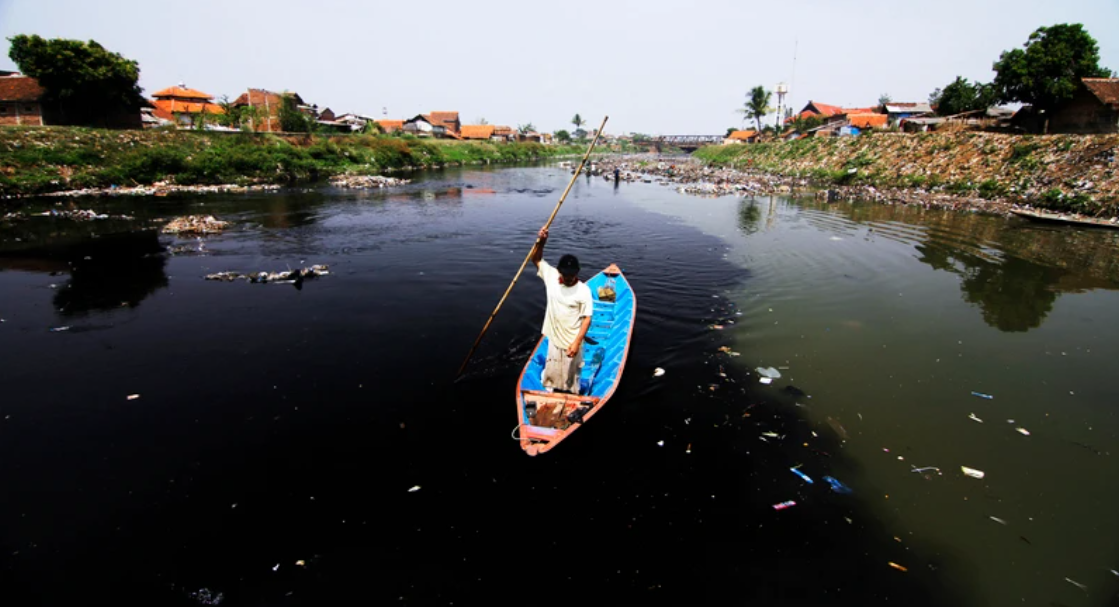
x=309 y=447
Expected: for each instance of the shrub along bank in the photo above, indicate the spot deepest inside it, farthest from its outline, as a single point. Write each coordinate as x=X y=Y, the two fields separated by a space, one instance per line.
x=42 y=160
x=1061 y=172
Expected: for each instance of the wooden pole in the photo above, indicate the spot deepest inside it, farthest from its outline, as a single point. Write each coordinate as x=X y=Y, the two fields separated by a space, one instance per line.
x=516 y=276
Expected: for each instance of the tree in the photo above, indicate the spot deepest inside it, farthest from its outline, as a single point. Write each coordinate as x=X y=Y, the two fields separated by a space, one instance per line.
x=1048 y=69
x=562 y=135
x=237 y=116
x=884 y=98
x=292 y=119
x=83 y=82
x=578 y=122
x=803 y=124
x=481 y=121
x=961 y=96
x=525 y=129
x=731 y=129
x=757 y=104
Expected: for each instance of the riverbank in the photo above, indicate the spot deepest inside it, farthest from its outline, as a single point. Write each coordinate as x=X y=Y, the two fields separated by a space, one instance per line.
x=39 y=161
x=986 y=171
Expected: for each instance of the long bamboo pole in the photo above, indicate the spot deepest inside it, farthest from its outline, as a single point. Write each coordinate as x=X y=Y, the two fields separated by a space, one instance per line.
x=533 y=249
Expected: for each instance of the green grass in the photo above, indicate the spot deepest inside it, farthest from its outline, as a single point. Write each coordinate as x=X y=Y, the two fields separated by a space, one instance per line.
x=41 y=160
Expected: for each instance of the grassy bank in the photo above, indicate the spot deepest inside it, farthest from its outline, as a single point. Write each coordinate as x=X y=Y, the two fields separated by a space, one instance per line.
x=1060 y=172
x=41 y=160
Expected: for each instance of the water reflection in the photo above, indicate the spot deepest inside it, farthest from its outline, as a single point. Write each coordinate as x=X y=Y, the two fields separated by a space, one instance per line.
x=1012 y=270
x=106 y=273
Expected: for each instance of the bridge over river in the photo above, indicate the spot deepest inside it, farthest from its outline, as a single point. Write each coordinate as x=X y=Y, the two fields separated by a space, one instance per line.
x=688 y=143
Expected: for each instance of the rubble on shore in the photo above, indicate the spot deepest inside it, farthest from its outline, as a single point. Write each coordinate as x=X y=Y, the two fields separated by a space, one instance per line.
x=295 y=277
x=692 y=177
x=366 y=182
x=164 y=189
x=72 y=214
x=195 y=224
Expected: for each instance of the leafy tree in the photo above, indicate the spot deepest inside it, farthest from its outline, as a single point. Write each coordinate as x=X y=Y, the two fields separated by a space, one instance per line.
x=804 y=124
x=84 y=82
x=962 y=96
x=757 y=104
x=292 y=119
x=578 y=122
x=525 y=129
x=1048 y=69
x=731 y=129
x=884 y=98
x=562 y=135
x=237 y=116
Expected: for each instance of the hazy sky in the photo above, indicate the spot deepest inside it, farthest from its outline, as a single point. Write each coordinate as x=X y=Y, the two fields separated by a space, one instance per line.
x=654 y=66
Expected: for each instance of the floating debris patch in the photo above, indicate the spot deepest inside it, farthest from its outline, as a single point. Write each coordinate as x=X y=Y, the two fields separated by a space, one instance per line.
x=195 y=224
x=295 y=277
x=366 y=182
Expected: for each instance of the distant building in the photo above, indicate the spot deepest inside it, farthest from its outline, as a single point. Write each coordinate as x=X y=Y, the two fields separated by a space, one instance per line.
x=504 y=133
x=1094 y=108
x=184 y=106
x=741 y=137
x=896 y=112
x=390 y=126
x=421 y=126
x=20 y=100
x=266 y=106
x=448 y=120
x=477 y=132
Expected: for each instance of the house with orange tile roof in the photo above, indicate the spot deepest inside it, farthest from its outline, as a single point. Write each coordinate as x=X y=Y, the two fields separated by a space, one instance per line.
x=741 y=137
x=183 y=105
x=266 y=107
x=477 y=132
x=504 y=133
x=20 y=100
x=448 y=120
x=390 y=126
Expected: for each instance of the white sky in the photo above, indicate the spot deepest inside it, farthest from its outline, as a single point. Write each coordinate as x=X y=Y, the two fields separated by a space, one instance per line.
x=654 y=66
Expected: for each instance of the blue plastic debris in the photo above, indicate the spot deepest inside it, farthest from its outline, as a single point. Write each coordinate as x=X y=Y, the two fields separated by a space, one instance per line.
x=802 y=475
x=982 y=395
x=837 y=486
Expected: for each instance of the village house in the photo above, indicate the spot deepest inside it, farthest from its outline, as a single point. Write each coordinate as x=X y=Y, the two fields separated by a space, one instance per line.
x=1094 y=108
x=448 y=120
x=390 y=126
x=741 y=137
x=184 y=106
x=20 y=100
x=267 y=105
x=504 y=133
x=421 y=126
x=896 y=112
x=477 y=132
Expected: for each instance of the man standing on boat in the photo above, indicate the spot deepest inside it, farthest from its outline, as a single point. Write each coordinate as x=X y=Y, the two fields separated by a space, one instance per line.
x=566 y=319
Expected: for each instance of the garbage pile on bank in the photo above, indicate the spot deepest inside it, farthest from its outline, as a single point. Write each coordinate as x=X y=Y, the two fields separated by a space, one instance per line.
x=295 y=277
x=366 y=182
x=164 y=188
x=195 y=224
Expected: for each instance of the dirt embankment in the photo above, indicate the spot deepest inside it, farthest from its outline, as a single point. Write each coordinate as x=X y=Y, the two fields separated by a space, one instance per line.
x=1071 y=173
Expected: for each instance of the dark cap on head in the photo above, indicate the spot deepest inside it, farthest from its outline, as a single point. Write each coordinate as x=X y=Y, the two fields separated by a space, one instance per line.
x=568 y=264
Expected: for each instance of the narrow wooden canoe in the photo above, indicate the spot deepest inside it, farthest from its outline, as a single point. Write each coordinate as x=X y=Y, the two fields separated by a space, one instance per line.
x=546 y=418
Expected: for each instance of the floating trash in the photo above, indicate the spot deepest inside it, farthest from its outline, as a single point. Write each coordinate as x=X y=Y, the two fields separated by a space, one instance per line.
x=195 y=224
x=972 y=472
x=981 y=395
x=132 y=397
x=783 y=505
x=60 y=329
x=998 y=520
x=768 y=372
x=802 y=475
x=1022 y=431
x=365 y=182
x=837 y=486
x=898 y=567
x=1077 y=584
x=658 y=372
x=289 y=277
x=414 y=489
x=973 y=418
x=766 y=380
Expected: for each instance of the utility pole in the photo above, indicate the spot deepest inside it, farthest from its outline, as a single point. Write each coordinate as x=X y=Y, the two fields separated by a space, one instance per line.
x=782 y=88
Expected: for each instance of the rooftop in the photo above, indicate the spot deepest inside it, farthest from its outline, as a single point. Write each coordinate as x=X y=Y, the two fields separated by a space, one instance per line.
x=20 y=88
x=1105 y=89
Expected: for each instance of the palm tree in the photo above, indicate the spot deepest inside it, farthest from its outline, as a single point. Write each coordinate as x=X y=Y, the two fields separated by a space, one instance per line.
x=578 y=121
x=757 y=105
